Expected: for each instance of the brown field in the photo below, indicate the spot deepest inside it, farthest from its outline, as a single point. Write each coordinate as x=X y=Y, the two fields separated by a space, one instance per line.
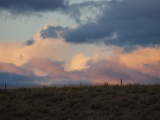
x=101 y=102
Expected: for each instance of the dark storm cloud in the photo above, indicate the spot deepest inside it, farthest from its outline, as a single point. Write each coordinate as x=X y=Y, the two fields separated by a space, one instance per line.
x=15 y=80
x=15 y=76
x=122 y=23
x=52 y=32
x=29 y=42
x=75 y=10
x=88 y=33
x=26 y=6
x=132 y=22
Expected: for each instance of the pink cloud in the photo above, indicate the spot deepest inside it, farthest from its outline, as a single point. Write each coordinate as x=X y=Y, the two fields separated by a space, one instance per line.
x=11 y=68
x=58 y=62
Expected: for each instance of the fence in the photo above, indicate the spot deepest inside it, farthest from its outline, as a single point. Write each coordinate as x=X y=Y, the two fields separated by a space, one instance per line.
x=19 y=85
x=6 y=86
x=12 y=86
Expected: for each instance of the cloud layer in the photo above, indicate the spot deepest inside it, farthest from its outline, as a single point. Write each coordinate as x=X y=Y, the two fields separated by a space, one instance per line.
x=122 y=23
x=29 y=6
x=116 y=22
x=121 y=41
x=77 y=64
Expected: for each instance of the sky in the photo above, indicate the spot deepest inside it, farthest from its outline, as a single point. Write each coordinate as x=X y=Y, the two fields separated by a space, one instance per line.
x=72 y=42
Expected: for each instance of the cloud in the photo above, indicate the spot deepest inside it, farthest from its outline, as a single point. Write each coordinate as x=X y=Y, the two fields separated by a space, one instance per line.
x=116 y=22
x=11 y=68
x=112 y=72
x=79 y=62
x=86 y=10
x=53 y=68
x=133 y=23
x=122 y=23
x=29 y=6
x=29 y=42
x=18 y=80
x=18 y=7
x=145 y=60
x=51 y=31
x=118 y=65
x=56 y=75
x=54 y=61
x=11 y=52
x=20 y=52
x=51 y=58
x=100 y=68
x=15 y=76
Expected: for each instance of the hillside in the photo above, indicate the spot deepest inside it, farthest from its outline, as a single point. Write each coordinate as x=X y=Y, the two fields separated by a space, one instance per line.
x=102 y=102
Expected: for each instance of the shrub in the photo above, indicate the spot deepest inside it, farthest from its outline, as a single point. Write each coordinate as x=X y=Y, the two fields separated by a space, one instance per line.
x=96 y=105
x=156 y=106
x=135 y=97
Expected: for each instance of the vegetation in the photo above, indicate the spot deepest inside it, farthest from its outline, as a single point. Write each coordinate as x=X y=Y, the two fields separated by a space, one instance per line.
x=101 y=102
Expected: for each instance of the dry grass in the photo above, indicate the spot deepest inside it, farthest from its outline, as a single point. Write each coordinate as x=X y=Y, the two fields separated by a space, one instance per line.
x=103 y=102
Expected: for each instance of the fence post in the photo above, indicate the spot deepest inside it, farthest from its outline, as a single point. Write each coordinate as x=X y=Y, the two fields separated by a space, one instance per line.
x=5 y=87
x=121 y=82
